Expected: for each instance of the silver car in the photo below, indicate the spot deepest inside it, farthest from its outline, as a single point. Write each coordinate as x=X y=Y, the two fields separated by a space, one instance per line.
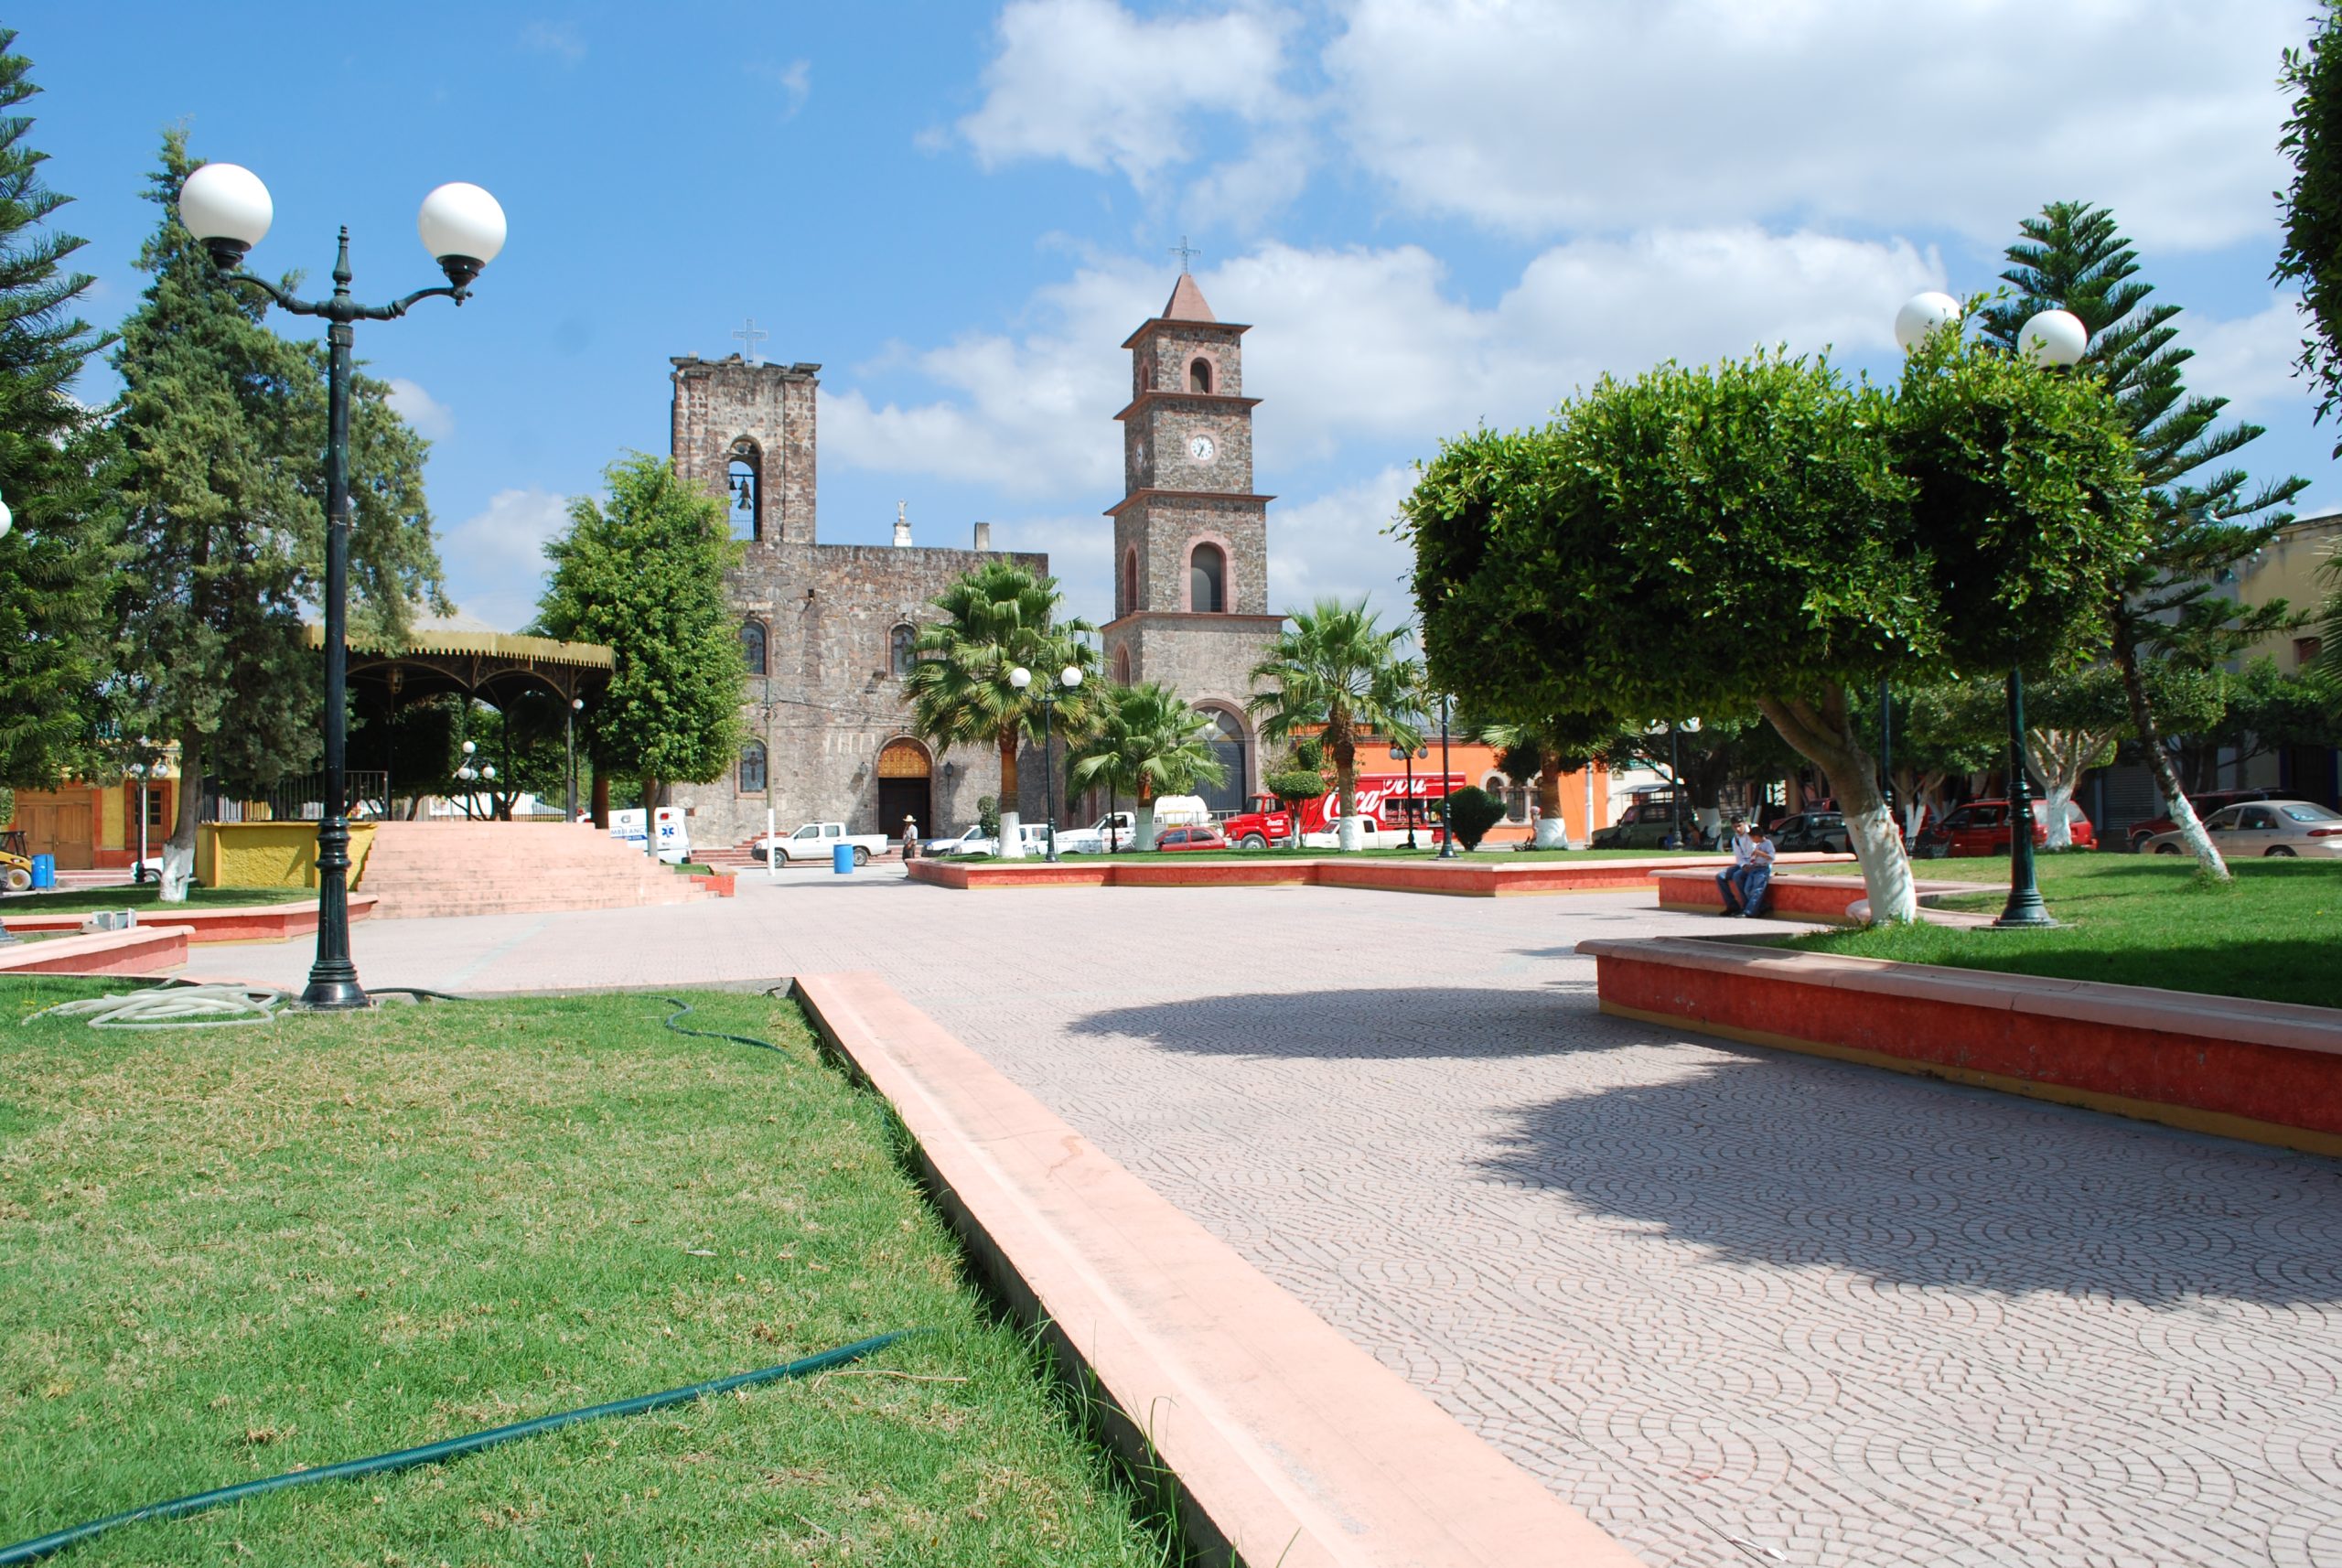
x=2283 y=829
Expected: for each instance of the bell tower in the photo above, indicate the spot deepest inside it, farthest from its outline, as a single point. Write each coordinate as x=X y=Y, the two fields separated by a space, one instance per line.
x=1191 y=535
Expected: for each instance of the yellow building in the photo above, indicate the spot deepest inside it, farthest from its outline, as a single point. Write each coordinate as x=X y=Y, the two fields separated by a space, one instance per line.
x=2288 y=568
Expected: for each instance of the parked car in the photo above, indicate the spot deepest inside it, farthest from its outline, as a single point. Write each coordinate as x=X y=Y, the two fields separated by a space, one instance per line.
x=819 y=840
x=1651 y=823
x=2282 y=829
x=1813 y=833
x=1371 y=835
x=1175 y=841
x=1035 y=836
x=2210 y=801
x=1115 y=830
x=970 y=840
x=1982 y=828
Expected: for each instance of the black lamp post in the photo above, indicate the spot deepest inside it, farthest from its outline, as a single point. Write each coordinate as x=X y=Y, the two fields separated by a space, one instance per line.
x=2056 y=339
x=1069 y=680
x=140 y=770
x=227 y=208
x=1446 y=787
x=1410 y=753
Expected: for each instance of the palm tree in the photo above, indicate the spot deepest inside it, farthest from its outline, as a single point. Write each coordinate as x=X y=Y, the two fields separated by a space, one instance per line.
x=1565 y=743
x=1144 y=739
x=996 y=618
x=1337 y=670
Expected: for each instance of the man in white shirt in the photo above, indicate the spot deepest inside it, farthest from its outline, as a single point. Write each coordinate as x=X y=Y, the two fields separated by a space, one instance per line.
x=1728 y=880
x=1753 y=877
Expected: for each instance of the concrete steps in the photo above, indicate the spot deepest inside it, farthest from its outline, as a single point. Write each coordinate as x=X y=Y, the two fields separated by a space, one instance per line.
x=419 y=869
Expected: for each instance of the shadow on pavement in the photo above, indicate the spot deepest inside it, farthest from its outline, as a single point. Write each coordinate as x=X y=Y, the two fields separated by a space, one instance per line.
x=1418 y=1023
x=1778 y=1159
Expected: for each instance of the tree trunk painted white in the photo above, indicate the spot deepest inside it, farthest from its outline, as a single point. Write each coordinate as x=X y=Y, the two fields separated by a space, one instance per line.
x=1352 y=835
x=2174 y=798
x=178 y=854
x=1144 y=838
x=1552 y=833
x=1012 y=840
x=2056 y=759
x=1823 y=731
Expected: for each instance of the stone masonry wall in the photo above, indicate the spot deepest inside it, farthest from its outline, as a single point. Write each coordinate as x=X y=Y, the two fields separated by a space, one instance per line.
x=718 y=401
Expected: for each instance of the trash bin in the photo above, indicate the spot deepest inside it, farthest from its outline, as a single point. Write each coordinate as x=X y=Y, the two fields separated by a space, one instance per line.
x=842 y=859
x=44 y=872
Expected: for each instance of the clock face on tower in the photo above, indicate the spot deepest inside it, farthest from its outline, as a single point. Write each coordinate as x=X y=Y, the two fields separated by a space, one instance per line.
x=1201 y=450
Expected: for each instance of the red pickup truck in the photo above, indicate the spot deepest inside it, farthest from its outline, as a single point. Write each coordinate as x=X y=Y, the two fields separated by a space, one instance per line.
x=1982 y=827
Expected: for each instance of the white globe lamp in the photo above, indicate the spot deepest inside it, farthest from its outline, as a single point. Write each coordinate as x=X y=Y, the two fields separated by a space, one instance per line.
x=1020 y=677
x=1069 y=677
x=2054 y=337
x=227 y=207
x=1922 y=314
x=463 y=228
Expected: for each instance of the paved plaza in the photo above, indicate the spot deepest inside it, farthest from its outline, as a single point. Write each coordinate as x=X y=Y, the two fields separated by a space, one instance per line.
x=1740 y=1307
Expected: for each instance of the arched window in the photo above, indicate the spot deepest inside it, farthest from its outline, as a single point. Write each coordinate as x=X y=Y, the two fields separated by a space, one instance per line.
x=1130 y=581
x=1146 y=375
x=744 y=490
x=1122 y=665
x=1232 y=792
x=1199 y=375
x=752 y=648
x=752 y=769
x=1208 y=580
x=902 y=650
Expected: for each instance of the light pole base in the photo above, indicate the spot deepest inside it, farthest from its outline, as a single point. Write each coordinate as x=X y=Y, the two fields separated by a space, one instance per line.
x=2025 y=914
x=335 y=995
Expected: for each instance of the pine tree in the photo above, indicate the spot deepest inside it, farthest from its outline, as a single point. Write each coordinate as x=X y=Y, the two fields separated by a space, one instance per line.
x=224 y=425
x=644 y=574
x=59 y=562
x=2312 y=256
x=2205 y=515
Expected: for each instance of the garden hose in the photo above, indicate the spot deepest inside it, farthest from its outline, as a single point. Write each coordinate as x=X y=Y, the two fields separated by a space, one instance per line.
x=33 y=1550
x=183 y=1005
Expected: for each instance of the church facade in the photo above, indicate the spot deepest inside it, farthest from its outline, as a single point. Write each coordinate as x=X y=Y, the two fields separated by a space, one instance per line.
x=826 y=630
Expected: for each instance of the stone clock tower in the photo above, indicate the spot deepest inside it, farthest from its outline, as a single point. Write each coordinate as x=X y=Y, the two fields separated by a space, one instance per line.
x=1191 y=547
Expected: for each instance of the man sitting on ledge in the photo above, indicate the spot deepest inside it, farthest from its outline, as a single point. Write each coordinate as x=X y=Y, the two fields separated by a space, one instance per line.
x=1753 y=878
x=1728 y=879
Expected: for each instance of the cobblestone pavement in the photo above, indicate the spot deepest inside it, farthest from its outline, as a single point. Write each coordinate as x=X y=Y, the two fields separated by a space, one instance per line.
x=1740 y=1307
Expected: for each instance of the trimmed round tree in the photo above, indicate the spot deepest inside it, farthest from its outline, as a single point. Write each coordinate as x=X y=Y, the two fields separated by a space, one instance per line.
x=1764 y=533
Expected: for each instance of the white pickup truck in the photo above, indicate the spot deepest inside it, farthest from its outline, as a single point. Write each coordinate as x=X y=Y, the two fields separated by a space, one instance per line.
x=1115 y=830
x=820 y=840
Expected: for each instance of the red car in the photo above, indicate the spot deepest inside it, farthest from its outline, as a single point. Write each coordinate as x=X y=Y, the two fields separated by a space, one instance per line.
x=2207 y=803
x=1175 y=840
x=1982 y=827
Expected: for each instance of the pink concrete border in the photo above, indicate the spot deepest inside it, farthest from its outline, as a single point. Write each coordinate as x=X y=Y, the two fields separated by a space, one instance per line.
x=1485 y=876
x=141 y=949
x=1290 y=1444
x=250 y=923
x=2267 y=1071
x=1815 y=898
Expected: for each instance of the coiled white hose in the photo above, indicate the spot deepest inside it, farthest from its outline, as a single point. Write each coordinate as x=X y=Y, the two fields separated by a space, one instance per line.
x=175 y=1007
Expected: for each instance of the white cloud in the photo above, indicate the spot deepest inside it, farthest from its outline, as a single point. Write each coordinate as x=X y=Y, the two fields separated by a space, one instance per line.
x=557 y=39
x=495 y=559
x=1086 y=82
x=2249 y=359
x=1339 y=546
x=1368 y=345
x=431 y=418
x=795 y=81
x=1532 y=117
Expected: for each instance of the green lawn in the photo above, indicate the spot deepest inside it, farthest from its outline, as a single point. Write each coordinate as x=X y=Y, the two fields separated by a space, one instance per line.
x=126 y=896
x=2275 y=933
x=230 y=1253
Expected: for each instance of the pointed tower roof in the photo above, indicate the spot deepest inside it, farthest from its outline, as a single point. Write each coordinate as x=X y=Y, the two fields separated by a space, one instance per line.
x=1187 y=302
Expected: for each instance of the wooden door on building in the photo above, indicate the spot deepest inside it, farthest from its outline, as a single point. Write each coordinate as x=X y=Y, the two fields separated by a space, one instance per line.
x=58 y=822
x=904 y=788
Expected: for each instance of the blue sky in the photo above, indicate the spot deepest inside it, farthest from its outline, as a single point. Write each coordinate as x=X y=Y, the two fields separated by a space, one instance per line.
x=1434 y=212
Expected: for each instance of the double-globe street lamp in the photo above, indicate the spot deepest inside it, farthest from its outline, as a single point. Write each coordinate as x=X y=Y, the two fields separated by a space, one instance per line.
x=227 y=208
x=2056 y=338
x=1069 y=681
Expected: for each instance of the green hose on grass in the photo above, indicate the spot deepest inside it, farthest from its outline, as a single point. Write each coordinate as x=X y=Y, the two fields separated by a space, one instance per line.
x=33 y=1550
x=439 y=1453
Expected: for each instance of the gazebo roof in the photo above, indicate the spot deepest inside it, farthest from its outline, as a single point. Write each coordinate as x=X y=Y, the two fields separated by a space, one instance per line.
x=463 y=654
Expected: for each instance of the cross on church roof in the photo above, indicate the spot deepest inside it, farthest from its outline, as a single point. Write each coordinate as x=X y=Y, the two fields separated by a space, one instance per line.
x=751 y=335
x=1184 y=251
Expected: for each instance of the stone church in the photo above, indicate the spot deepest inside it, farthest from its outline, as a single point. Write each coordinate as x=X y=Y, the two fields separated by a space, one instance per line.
x=826 y=630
